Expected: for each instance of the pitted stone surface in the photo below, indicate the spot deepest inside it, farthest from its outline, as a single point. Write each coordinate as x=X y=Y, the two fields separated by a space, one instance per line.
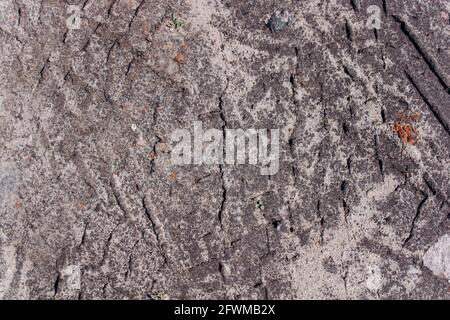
x=92 y=208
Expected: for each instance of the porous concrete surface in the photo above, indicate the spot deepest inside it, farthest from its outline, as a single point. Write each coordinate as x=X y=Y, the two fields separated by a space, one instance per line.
x=93 y=208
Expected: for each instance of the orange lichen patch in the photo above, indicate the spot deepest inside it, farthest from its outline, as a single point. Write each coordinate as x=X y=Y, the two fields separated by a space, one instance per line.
x=406 y=132
x=18 y=204
x=173 y=175
x=179 y=57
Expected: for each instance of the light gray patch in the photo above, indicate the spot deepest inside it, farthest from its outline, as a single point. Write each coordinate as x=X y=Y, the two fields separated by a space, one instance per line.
x=437 y=257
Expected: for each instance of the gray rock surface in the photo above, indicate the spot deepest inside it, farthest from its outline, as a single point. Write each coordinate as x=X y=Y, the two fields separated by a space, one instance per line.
x=92 y=207
x=279 y=21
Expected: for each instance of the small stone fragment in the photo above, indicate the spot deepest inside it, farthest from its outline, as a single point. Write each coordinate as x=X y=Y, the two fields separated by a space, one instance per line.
x=437 y=258
x=279 y=20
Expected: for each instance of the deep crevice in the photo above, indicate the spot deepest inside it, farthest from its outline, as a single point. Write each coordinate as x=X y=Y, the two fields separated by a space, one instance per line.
x=414 y=221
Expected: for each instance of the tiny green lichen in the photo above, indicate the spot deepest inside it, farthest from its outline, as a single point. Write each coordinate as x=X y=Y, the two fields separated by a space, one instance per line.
x=175 y=22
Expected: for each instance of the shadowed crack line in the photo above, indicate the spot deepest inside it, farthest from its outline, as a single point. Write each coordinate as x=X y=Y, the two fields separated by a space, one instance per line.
x=129 y=67
x=346 y=210
x=83 y=236
x=429 y=184
x=348 y=31
x=414 y=221
x=321 y=222
x=130 y=260
x=118 y=199
x=111 y=7
x=355 y=5
x=221 y=271
x=41 y=73
x=345 y=279
x=154 y=229
x=84 y=4
x=222 y=175
x=56 y=283
x=152 y=161
x=148 y=215
x=349 y=73
x=107 y=246
x=89 y=40
x=19 y=11
x=136 y=13
x=108 y=55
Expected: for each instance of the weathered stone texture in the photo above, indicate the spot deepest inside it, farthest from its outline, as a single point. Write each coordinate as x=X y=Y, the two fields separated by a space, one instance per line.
x=92 y=207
